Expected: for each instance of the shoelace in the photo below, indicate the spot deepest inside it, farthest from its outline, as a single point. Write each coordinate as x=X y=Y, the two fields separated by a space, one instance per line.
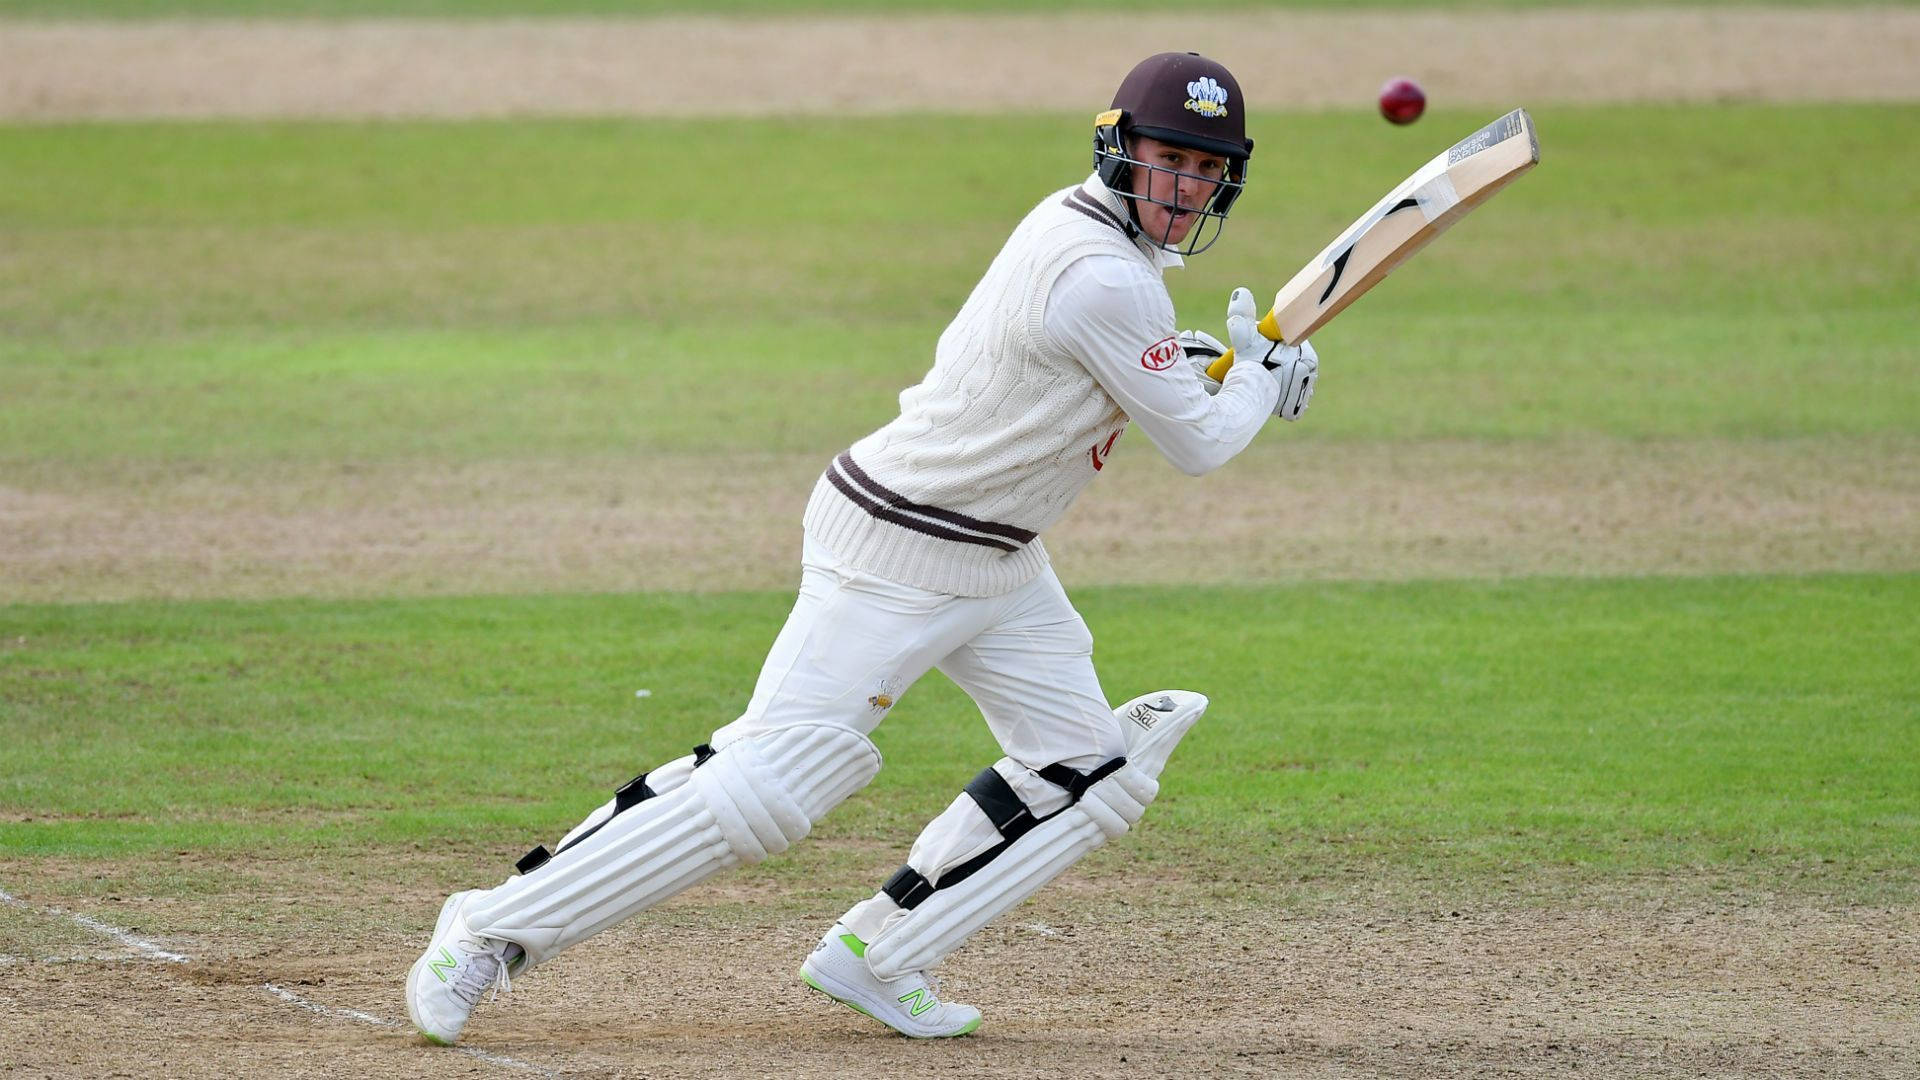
x=484 y=970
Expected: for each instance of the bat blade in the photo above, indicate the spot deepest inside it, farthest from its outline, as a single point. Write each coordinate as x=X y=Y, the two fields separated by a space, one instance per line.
x=1405 y=220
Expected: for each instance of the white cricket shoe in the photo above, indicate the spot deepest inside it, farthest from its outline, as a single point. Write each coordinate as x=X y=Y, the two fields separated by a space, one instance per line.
x=909 y=1004
x=457 y=968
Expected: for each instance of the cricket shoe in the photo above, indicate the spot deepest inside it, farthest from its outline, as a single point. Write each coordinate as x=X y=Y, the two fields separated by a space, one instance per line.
x=457 y=968
x=909 y=1004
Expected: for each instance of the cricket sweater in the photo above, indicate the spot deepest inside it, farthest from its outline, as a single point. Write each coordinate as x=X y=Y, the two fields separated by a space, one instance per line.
x=1022 y=406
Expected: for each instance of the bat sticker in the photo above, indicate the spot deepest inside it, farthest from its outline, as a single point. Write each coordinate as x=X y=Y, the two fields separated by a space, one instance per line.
x=1340 y=263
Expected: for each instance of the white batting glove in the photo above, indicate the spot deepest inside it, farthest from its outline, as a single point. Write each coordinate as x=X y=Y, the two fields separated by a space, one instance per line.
x=1295 y=367
x=1202 y=350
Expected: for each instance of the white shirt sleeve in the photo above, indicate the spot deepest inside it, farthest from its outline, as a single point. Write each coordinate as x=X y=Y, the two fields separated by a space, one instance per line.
x=1115 y=317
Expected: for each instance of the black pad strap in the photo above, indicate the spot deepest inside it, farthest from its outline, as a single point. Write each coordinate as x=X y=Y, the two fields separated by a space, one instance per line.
x=907 y=887
x=632 y=792
x=701 y=753
x=625 y=797
x=1076 y=782
x=1002 y=805
x=1009 y=814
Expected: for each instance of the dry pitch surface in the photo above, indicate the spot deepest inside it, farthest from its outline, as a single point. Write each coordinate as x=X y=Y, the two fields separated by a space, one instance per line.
x=1364 y=511
x=1098 y=976
x=955 y=63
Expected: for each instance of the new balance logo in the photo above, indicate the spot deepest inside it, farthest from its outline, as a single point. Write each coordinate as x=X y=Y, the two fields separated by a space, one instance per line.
x=443 y=965
x=918 y=1001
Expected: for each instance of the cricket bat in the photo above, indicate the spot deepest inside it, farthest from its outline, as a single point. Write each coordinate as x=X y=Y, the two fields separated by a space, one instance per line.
x=1405 y=220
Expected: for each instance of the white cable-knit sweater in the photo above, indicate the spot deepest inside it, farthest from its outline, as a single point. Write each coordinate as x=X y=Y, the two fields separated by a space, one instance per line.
x=1014 y=420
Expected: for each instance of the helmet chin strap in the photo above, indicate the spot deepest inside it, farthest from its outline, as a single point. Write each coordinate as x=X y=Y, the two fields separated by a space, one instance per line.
x=1135 y=230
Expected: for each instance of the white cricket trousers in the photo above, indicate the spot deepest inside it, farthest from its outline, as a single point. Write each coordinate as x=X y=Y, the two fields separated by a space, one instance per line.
x=855 y=643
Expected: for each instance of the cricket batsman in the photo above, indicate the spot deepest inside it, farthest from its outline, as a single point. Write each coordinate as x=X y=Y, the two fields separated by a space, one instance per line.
x=922 y=549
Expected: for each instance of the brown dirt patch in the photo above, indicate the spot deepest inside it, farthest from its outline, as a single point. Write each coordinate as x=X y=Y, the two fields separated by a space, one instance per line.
x=1084 y=980
x=697 y=66
x=1361 y=511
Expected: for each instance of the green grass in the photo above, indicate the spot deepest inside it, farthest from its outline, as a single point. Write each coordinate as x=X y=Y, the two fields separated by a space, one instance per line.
x=343 y=8
x=240 y=293
x=1479 y=737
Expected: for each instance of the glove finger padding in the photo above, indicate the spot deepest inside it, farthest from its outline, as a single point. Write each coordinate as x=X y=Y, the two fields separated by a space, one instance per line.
x=1243 y=325
x=1296 y=368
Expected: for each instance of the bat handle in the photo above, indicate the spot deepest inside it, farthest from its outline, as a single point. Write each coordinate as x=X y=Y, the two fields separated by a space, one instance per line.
x=1269 y=329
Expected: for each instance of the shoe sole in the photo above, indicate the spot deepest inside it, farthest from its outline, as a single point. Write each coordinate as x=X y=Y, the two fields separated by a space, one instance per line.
x=447 y=912
x=843 y=996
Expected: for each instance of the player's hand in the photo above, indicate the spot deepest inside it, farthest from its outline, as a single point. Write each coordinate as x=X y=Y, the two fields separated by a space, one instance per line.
x=1202 y=350
x=1295 y=367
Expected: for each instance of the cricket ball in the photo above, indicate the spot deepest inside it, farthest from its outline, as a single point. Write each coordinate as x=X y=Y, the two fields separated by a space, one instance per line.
x=1402 y=101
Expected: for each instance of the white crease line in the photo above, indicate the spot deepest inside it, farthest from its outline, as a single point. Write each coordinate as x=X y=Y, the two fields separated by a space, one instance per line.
x=292 y=998
x=156 y=952
x=10 y=960
x=124 y=938
x=141 y=945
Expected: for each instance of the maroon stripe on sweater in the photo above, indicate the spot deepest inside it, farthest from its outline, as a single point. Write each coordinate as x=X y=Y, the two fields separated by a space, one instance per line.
x=895 y=499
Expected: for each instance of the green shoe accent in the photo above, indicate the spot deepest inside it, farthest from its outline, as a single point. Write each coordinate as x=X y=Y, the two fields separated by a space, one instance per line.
x=444 y=964
x=859 y=947
x=917 y=1001
x=432 y=1039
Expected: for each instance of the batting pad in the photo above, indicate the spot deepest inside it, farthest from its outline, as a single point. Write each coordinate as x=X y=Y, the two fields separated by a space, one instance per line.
x=753 y=798
x=1154 y=724
x=921 y=936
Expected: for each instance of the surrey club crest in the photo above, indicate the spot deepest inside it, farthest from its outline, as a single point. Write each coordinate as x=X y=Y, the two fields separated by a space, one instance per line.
x=1207 y=97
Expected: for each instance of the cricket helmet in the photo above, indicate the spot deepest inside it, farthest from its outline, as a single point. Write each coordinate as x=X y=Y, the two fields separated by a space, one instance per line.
x=1186 y=100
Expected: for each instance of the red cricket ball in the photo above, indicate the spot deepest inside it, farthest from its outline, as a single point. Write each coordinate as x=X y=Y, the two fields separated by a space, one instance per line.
x=1402 y=101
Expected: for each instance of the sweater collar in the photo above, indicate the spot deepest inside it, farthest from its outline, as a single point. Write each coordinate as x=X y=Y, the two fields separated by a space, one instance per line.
x=1162 y=258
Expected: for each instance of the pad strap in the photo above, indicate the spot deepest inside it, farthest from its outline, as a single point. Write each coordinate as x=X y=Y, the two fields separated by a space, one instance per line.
x=908 y=887
x=626 y=797
x=1002 y=805
x=973 y=894
x=1010 y=817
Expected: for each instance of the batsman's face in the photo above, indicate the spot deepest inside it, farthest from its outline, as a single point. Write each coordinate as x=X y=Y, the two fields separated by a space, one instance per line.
x=1180 y=183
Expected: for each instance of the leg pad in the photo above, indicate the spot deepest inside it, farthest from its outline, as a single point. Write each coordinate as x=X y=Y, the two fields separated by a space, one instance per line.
x=751 y=798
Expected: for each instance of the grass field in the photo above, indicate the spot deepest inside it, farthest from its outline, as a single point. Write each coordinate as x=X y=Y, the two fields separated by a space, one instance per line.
x=268 y=311
x=1457 y=739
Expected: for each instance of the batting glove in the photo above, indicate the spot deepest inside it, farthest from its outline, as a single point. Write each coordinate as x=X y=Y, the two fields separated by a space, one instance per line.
x=1202 y=350
x=1295 y=367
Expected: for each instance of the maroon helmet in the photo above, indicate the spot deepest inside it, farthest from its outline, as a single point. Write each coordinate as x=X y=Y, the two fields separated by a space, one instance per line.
x=1186 y=100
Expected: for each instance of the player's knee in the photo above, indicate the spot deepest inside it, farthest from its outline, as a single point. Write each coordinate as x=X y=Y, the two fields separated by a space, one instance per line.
x=766 y=791
x=1013 y=798
x=763 y=791
x=1100 y=739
